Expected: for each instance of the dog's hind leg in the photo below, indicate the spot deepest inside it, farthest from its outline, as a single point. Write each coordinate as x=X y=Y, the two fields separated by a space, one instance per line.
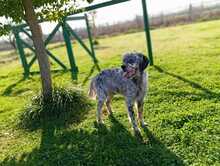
x=99 y=111
x=108 y=104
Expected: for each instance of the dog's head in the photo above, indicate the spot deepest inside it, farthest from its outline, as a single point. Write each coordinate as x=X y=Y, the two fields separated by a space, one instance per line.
x=134 y=64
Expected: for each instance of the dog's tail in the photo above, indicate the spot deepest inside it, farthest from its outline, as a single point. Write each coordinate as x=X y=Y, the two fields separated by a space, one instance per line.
x=92 y=90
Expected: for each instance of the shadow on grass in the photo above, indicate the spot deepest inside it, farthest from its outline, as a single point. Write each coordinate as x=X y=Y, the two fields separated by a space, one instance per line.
x=54 y=71
x=101 y=146
x=101 y=47
x=58 y=72
x=9 y=90
x=95 y=66
x=207 y=93
x=3 y=77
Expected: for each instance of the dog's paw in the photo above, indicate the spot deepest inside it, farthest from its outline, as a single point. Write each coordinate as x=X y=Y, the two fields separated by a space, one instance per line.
x=110 y=113
x=137 y=132
x=100 y=122
x=143 y=124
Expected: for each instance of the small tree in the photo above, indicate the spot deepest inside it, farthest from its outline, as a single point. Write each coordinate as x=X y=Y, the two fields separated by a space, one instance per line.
x=93 y=15
x=29 y=11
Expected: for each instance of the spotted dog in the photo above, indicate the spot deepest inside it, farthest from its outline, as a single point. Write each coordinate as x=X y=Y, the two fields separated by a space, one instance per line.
x=130 y=80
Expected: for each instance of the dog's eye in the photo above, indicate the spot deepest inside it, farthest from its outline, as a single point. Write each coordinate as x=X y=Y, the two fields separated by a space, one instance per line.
x=130 y=61
x=123 y=67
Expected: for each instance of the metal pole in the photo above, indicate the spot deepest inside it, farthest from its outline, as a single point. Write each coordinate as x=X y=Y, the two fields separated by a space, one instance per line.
x=90 y=40
x=147 y=31
x=66 y=36
x=21 y=53
x=79 y=40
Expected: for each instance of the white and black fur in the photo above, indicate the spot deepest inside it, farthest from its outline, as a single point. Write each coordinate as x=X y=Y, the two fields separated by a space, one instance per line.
x=114 y=81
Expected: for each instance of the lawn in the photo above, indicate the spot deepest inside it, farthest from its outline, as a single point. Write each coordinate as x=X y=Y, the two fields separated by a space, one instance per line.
x=182 y=107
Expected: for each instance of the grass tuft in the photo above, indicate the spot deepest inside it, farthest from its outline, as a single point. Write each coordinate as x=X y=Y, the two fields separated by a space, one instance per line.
x=65 y=105
x=95 y=42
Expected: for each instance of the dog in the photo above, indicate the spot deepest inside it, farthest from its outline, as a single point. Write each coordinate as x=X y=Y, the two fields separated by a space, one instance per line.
x=130 y=80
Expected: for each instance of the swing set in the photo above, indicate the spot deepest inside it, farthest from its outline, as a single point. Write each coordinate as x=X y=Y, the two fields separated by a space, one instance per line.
x=67 y=32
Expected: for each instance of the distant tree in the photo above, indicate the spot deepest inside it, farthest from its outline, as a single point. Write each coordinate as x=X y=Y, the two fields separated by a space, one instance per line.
x=30 y=11
x=93 y=15
x=190 y=12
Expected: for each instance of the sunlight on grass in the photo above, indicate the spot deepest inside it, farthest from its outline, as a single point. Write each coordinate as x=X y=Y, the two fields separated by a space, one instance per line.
x=182 y=107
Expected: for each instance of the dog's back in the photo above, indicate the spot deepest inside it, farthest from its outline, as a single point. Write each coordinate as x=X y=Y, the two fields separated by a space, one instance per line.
x=107 y=82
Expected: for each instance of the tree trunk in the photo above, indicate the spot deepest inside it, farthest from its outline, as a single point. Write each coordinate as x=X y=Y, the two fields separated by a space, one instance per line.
x=42 y=57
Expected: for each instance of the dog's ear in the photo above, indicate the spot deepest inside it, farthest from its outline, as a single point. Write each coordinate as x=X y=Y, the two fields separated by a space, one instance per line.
x=144 y=62
x=123 y=67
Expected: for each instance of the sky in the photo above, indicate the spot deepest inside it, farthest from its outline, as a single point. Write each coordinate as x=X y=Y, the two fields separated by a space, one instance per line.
x=128 y=10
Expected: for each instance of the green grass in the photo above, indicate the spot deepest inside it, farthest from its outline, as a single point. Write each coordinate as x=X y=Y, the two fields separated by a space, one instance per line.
x=182 y=107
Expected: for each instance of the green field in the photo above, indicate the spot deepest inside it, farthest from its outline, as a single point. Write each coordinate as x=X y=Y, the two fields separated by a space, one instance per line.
x=182 y=107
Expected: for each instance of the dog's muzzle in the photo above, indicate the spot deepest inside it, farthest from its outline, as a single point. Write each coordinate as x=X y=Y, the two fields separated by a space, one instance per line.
x=130 y=71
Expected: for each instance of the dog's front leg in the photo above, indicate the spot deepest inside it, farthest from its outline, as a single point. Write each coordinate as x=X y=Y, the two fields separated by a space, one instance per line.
x=130 y=107
x=108 y=104
x=140 y=105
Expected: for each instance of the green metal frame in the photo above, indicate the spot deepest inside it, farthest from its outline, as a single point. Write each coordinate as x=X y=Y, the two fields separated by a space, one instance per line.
x=67 y=32
x=147 y=32
x=66 y=35
x=145 y=16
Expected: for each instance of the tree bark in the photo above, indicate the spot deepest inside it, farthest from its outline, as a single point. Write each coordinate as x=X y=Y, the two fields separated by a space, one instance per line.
x=40 y=50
